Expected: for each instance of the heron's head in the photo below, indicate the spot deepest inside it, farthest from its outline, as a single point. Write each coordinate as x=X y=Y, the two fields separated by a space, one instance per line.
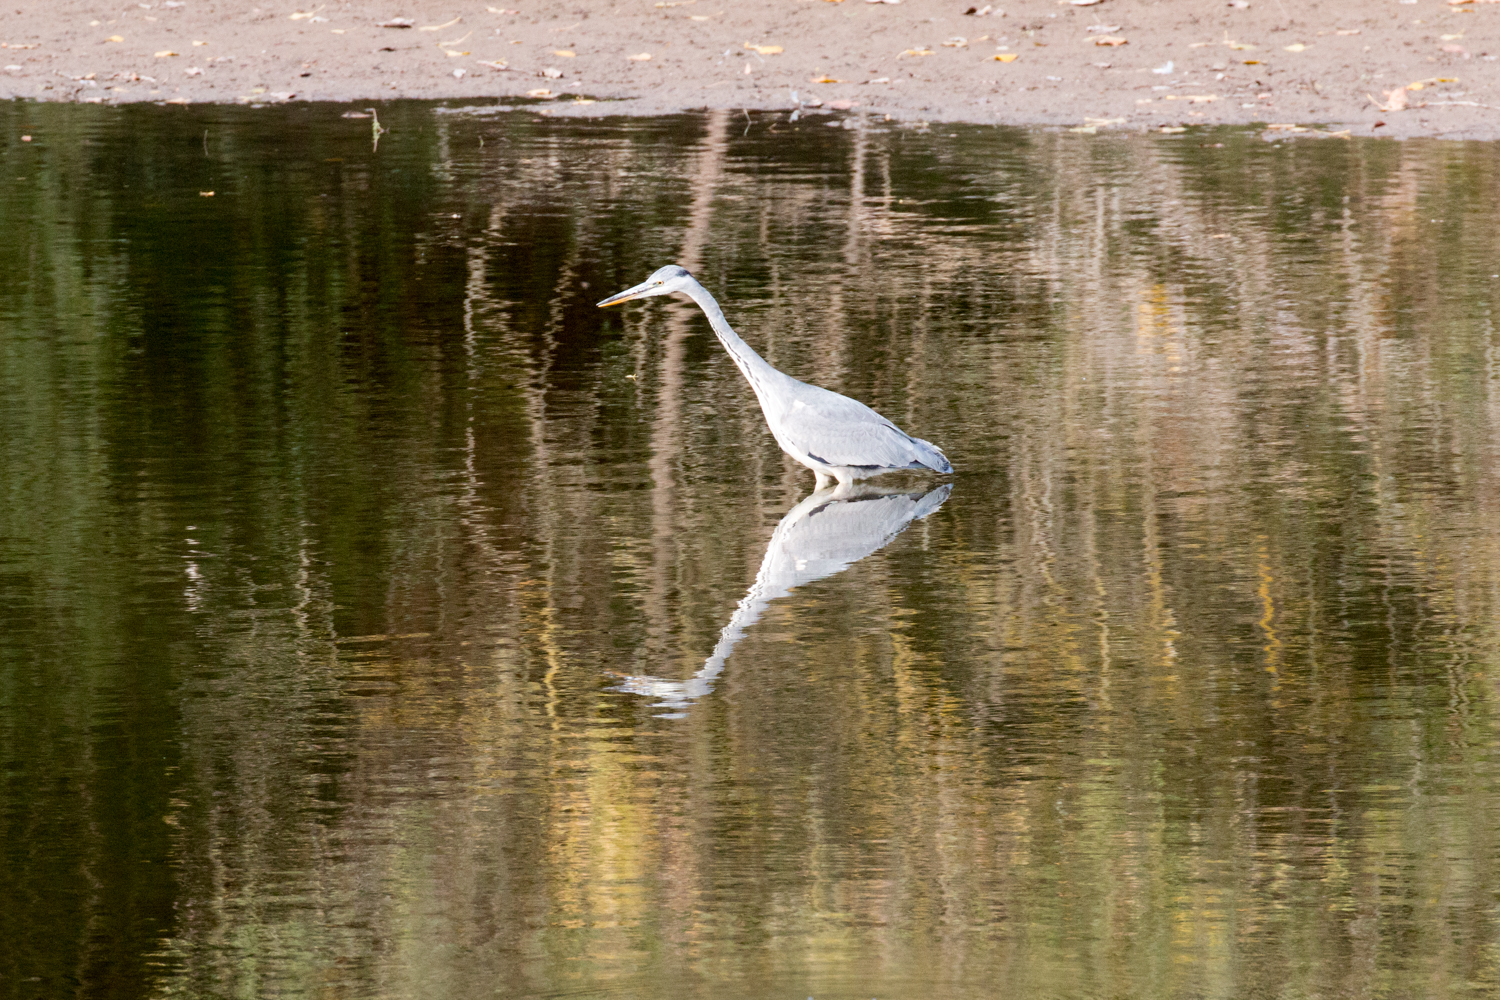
x=672 y=278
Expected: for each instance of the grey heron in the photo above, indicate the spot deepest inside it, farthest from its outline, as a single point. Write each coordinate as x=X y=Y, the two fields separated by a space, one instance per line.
x=833 y=435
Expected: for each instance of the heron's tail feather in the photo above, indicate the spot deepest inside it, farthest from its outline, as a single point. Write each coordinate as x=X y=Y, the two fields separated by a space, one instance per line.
x=931 y=457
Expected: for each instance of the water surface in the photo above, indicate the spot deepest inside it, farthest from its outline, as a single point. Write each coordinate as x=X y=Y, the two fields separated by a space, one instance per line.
x=364 y=589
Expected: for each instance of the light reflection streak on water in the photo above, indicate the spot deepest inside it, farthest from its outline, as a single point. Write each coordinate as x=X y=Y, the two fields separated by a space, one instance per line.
x=1189 y=680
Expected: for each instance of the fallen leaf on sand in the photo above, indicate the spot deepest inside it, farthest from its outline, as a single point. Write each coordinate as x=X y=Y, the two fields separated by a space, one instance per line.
x=1104 y=121
x=1006 y=57
x=1108 y=29
x=640 y=57
x=501 y=10
x=303 y=15
x=395 y=22
x=564 y=53
x=200 y=43
x=438 y=27
x=455 y=53
x=882 y=1
x=1347 y=31
x=164 y=53
x=1111 y=40
x=1084 y=3
x=957 y=42
x=194 y=71
x=1295 y=47
x=115 y=38
x=824 y=79
x=539 y=92
x=1193 y=98
x=766 y=50
x=176 y=100
x=915 y=52
x=1239 y=46
x=495 y=64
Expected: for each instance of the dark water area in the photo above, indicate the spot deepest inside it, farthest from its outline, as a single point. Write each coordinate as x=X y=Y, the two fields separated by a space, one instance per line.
x=379 y=618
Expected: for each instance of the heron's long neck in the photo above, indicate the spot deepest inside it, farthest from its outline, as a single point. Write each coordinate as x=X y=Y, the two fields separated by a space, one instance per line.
x=756 y=369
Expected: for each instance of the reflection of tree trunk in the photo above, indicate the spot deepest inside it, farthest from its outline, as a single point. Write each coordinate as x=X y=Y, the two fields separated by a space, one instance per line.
x=666 y=430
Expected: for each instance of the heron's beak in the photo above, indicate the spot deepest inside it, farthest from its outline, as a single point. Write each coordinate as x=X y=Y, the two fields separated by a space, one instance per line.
x=626 y=295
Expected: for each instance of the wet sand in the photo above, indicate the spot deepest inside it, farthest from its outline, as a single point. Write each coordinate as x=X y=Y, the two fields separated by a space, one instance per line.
x=1384 y=67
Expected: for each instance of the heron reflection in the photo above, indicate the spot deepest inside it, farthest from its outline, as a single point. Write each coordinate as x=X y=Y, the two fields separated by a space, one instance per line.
x=825 y=534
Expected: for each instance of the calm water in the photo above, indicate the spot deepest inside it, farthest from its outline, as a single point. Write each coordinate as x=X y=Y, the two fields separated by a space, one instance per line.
x=380 y=619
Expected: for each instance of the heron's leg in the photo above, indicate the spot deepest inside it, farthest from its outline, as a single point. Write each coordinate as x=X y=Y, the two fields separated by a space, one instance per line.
x=821 y=483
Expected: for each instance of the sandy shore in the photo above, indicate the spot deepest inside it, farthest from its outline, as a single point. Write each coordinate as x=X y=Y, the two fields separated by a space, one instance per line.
x=1132 y=64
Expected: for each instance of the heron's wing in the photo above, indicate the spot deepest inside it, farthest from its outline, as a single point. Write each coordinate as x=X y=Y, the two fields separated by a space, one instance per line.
x=837 y=430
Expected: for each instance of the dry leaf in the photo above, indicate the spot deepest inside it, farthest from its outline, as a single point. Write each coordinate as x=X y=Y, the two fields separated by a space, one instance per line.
x=454 y=53
x=1295 y=47
x=766 y=50
x=1108 y=29
x=564 y=53
x=1111 y=40
x=176 y=100
x=1006 y=57
x=640 y=57
x=824 y=79
x=303 y=15
x=916 y=52
x=395 y=22
x=1347 y=31
x=439 y=27
x=956 y=42
x=194 y=71
x=200 y=43
x=1193 y=98
x=164 y=53
x=1084 y=3
x=495 y=64
x=539 y=92
x=115 y=38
